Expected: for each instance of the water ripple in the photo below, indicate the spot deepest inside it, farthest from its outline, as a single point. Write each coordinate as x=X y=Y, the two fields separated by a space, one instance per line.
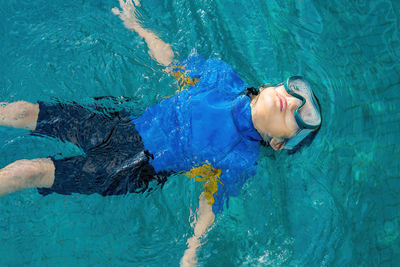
x=335 y=203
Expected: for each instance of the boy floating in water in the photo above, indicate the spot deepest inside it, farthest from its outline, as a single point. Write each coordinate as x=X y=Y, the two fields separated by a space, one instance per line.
x=211 y=131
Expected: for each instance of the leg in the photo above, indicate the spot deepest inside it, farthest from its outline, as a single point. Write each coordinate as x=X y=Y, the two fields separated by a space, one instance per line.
x=19 y=114
x=83 y=126
x=24 y=173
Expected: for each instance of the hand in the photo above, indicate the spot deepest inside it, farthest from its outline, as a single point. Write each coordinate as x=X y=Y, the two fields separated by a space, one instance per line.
x=189 y=258
x=128 y=14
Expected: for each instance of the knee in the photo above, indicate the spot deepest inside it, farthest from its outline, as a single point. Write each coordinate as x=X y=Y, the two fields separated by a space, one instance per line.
x=42 y=173
x=22 y=172
x=32 y=173
x=20 y=114
x=23 y=109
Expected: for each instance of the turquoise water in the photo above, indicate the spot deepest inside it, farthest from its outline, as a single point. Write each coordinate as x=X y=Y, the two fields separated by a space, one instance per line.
x=335 y=203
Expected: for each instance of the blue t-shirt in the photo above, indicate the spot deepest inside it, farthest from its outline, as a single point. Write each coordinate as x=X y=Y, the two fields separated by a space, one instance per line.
x=208 y=123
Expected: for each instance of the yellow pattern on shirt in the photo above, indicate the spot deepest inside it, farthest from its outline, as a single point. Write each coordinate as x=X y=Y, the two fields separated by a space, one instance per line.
x=209 y=176
x=183 y=78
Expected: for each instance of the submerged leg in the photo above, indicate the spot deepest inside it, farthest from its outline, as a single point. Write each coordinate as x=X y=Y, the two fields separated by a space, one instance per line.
x=22 y=174
x=19 y=114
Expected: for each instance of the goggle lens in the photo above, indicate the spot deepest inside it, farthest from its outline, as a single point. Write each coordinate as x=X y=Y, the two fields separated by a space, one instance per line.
x=307 y=115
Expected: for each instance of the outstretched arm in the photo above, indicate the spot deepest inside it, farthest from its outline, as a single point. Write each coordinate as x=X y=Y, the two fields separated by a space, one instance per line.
x=158 y=49
x=205 y=218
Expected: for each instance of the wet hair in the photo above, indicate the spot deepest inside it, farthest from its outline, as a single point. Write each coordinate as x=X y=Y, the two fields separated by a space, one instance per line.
x=252 y=92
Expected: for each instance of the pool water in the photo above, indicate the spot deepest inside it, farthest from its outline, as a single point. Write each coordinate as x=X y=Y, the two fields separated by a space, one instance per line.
x=335 y=203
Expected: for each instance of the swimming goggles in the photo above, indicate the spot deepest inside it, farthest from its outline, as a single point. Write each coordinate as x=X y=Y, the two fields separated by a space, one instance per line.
x=308 y=114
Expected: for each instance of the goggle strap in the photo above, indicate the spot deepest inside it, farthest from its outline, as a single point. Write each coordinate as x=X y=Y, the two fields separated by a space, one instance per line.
x=292 y=142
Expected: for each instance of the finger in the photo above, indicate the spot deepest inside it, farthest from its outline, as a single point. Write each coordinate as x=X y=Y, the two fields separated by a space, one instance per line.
x=122 y=4
x=137 y=2
x=126 y=8
x=129 y=5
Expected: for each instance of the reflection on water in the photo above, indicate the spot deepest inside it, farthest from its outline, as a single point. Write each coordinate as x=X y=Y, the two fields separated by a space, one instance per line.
x=334 y=203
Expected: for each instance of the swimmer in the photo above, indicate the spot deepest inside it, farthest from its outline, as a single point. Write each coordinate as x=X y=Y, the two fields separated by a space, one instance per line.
x=211 y=131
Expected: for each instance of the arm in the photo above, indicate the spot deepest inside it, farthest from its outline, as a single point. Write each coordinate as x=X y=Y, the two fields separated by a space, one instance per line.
x=158 y=50
x=205 y=215
x=205 y=218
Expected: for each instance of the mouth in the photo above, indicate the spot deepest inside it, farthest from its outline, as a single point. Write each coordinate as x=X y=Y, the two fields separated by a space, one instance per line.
x=283 y=102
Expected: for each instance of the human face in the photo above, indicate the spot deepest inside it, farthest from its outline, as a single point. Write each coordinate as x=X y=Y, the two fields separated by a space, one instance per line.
x=273 y=112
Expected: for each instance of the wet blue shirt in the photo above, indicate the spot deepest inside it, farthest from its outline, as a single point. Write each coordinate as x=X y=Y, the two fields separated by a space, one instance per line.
x=208 y=123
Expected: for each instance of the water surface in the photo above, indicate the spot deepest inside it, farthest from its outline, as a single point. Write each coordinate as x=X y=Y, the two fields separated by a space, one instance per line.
x=335 y=203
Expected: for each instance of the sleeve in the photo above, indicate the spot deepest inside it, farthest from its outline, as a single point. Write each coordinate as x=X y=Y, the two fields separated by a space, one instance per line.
x=182 y=77
x=237 y=168
x=213 y=74
x=231 y=184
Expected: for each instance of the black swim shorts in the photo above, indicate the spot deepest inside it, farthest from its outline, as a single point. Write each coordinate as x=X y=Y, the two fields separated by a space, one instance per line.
x=115 y=160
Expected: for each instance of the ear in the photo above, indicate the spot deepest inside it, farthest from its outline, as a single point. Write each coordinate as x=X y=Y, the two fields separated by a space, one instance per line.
x=276 y=144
